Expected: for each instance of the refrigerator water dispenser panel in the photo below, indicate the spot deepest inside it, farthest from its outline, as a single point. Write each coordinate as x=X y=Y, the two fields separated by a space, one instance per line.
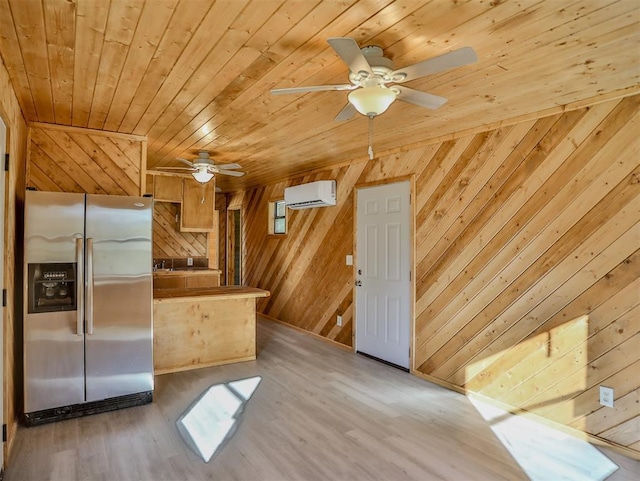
x=52 y=287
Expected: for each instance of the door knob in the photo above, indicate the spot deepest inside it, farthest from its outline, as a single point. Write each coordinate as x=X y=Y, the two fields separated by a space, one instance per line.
x=358 y=283
x=359 y=272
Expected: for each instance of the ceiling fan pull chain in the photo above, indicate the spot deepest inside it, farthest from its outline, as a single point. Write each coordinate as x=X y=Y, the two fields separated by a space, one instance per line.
x=371 y=137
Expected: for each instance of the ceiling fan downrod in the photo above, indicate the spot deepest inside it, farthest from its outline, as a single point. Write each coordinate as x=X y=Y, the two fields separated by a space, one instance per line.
x=370 y=150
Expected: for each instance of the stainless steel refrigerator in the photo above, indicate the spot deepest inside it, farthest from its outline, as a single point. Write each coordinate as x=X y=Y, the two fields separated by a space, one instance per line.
x=88 y=336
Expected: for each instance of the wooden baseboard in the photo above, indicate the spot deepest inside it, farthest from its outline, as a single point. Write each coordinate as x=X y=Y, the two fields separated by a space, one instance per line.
x=313 y=334
x=630 y=453
x=439 y=382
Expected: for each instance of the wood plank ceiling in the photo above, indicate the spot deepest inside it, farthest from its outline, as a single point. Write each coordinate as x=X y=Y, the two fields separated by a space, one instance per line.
x=196 y=74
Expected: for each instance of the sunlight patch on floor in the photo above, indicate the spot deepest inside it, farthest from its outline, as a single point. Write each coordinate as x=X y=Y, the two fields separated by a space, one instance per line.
x=213 y=418
x=545 y=453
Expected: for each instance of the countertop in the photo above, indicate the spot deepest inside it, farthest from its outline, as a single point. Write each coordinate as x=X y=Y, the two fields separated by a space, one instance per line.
x=222 y=292
x=190 y=271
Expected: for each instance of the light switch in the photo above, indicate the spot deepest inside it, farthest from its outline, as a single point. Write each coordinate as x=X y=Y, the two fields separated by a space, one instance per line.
x=349 y=260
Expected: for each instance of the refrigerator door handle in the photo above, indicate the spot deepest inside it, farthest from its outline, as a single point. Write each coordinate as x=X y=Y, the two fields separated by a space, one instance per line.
x=89 y=306
x=80 y=286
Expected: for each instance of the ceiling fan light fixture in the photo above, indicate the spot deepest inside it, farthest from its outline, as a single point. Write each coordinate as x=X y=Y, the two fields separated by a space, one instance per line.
x=202 y=176
x=372 y=101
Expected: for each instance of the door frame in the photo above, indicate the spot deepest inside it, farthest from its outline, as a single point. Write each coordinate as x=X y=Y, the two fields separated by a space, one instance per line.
x=4 y=198
x=230 y=245
x=412 y=267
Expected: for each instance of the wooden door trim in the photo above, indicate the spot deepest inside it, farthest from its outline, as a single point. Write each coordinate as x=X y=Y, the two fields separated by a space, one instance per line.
x=395 y=180
x=5 y=309
x=229 y=254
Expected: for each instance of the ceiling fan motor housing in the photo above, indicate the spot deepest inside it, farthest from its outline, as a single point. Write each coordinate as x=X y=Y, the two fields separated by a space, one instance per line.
x=380 y=65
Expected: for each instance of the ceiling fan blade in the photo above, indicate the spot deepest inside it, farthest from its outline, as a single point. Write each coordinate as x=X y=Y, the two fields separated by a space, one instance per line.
x=416 y=97
x=232 y=173
x=346 y=113
x=184 y=169
x=457 y=58
x=185 y=161
x=350 y=53
x=229 y=166
x=312 y=88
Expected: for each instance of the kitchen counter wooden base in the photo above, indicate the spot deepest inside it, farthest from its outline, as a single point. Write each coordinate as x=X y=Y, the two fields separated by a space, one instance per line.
x=203 y=328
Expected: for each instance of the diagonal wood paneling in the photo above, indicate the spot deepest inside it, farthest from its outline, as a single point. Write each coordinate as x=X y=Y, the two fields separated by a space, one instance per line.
x=168 y=241
x=526 y=261
x=96 y=162
x=81 y=160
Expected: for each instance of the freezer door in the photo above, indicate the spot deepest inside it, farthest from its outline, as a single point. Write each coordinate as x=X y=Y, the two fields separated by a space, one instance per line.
x=119 y=302
x=53 y=341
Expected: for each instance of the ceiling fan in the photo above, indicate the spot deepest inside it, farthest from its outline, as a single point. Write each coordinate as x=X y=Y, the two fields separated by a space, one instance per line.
x=203 y=169
x=374 y=79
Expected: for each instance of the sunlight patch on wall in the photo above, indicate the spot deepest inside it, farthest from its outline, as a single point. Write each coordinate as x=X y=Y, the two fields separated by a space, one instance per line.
x=542 y=371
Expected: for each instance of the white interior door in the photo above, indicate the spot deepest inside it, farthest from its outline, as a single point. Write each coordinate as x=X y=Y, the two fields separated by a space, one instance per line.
x=383 y=277
x=3 y=143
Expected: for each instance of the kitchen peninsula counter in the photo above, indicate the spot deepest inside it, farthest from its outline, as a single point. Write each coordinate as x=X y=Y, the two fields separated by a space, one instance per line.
x=223 y=292
x=203 y=327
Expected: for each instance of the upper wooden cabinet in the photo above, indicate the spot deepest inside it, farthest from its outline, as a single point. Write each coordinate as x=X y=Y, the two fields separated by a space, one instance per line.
x=148 y=185
x=167 y=188
x=197 y=213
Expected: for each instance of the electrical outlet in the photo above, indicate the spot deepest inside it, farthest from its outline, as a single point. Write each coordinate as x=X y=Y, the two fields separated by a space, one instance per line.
x=189 y=261
x=339 y=321
x=606 y=396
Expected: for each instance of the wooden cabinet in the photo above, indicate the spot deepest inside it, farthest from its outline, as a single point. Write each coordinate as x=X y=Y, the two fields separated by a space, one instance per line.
x=186 y=279
x=168 y=282
x=148 y=185
x=197 y=213
x=197 y=201
x=167 y=188
x=209 y=280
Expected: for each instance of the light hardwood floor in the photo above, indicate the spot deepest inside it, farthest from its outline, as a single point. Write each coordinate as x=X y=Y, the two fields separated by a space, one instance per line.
x=320 y=413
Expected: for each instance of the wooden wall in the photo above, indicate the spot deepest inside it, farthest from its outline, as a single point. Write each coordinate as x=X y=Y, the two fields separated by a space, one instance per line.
x=305 y=269
x=527 y=263
x=14 y=198
x=168 y=241
x=69 y=159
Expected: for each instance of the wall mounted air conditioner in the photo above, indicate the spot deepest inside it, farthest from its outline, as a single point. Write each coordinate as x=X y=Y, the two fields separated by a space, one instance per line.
x=314 y=194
